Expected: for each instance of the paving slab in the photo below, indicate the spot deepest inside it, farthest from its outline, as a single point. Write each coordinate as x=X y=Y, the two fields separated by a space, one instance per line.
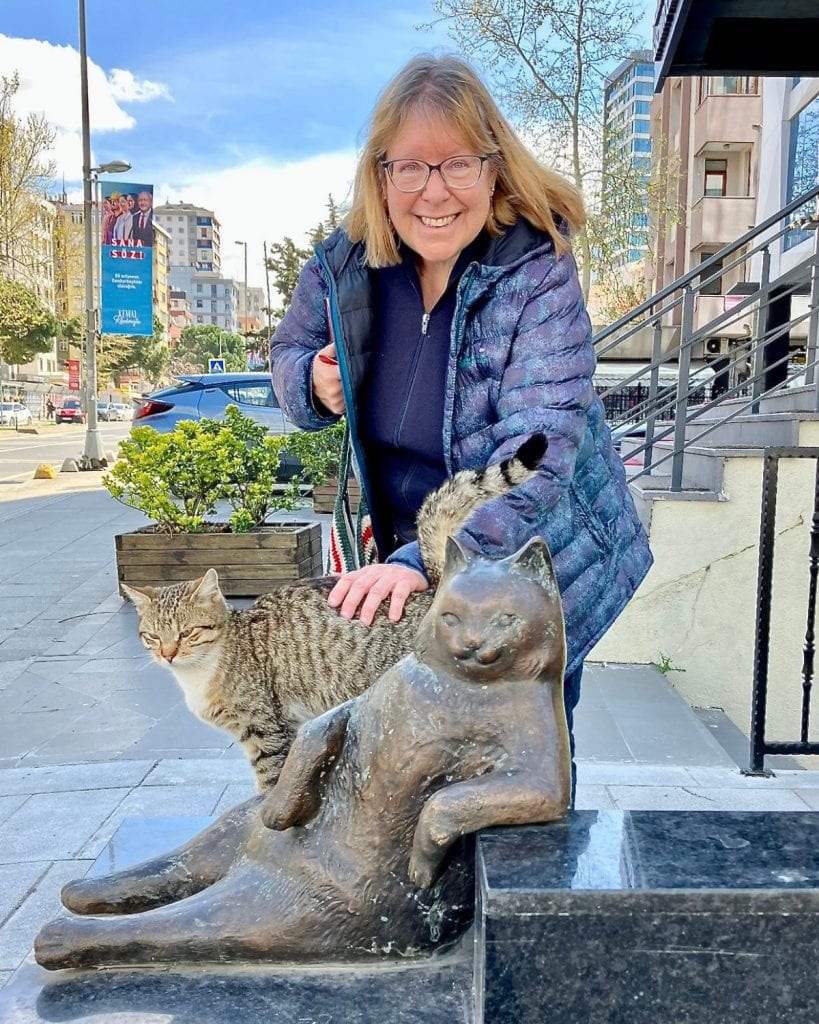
x=16 y=882
x=193 y=771
x=19 y=931
x=59 y=823
x=666 y=798
x=74 y=777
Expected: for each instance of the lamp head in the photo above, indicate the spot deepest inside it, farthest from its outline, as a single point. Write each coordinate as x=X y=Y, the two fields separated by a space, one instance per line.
x=114 y=167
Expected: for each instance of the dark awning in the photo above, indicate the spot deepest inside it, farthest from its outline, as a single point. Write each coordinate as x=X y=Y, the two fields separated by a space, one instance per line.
x=744 y=37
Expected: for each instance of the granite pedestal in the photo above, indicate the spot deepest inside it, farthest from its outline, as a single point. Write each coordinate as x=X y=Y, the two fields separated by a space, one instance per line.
x=661 y=917
x=610 y=916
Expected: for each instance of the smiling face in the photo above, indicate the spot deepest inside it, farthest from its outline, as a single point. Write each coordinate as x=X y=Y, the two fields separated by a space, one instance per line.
x=437 y=222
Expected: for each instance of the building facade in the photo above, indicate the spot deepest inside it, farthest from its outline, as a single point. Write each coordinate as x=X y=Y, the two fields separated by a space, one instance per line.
x=194 y=233
x=212 y=299
x=710 y=128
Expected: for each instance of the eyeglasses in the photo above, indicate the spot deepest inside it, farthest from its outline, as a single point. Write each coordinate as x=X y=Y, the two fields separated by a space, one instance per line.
x=413 y=175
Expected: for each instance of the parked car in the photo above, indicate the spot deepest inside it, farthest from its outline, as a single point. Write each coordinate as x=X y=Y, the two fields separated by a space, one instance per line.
x=106 y=411
x=124 y=410
x=207 y=395
x=70 y=412
x=14 y=414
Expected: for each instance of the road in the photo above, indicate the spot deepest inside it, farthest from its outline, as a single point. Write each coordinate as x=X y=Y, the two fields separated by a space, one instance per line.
x=20 y=454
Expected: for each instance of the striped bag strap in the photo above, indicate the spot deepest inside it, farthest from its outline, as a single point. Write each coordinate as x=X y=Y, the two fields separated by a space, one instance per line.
x=351 y=538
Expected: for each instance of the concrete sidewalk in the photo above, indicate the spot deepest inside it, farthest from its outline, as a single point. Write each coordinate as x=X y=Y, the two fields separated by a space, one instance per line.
x=94 y=732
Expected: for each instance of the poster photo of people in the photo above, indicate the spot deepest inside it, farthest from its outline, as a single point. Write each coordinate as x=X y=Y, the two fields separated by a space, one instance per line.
x=126 y=257
x=127 y=214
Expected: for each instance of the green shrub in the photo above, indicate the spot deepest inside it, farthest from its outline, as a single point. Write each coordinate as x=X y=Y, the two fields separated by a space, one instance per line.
x=177 y=478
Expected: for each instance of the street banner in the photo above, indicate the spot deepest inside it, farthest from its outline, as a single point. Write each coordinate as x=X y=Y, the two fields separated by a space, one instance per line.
x=126 y=227
x=73 y=368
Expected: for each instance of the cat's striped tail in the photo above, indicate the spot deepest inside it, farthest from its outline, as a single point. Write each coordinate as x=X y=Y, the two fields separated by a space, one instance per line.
x=445 y=511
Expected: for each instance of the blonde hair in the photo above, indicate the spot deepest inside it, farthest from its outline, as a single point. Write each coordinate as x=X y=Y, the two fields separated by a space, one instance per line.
x=448 y=87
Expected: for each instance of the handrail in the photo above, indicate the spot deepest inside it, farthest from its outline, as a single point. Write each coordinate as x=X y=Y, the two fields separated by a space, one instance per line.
x=691 y=275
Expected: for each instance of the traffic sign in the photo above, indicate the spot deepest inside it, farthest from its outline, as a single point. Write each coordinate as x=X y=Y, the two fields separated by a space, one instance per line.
x=216 y=365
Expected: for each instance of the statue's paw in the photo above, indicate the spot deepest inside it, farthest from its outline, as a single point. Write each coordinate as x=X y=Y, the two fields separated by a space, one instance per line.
x=421 y=872
x=87 y=896
x=56 y=946
x=280 y=814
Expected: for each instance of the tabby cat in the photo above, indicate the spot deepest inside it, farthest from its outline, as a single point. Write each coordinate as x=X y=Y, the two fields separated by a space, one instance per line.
x=260 y=672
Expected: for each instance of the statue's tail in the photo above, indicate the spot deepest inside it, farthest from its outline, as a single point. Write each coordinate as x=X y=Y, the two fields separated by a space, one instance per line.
x=445 y=511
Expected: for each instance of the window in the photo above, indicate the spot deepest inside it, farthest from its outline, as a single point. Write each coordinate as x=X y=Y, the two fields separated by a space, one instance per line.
x=729 y=85
x=642 y=107
x=642 y=126
x=199 y=304
x=199 y=287
x=803 y=163
x=713 y=287
x=641 y=145
x=213 y=289
x=644 y=89
x=716 y=177
x=260 y=394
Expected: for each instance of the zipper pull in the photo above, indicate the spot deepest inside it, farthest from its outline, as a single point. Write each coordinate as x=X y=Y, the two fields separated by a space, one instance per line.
x=424 y=324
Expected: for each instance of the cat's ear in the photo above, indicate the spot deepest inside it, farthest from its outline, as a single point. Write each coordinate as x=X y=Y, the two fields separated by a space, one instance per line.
x=206 y=588
x=456 y=557
x=141 y=597
x=535 y=561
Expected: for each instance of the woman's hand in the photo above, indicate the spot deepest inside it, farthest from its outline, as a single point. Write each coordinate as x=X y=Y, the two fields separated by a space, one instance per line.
x=365 y=589
x=327 y=379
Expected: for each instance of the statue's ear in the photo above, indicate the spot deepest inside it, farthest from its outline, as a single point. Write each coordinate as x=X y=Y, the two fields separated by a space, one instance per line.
x=141 y=597
x=206 y=588
x=456 y=557
x=535 y=561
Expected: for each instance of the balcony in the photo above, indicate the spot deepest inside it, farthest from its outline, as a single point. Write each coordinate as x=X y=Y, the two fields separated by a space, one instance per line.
x=718 y=220
x=727 y=119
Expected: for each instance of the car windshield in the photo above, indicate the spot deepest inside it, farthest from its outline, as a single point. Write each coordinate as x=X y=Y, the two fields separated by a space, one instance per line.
x=71 y=404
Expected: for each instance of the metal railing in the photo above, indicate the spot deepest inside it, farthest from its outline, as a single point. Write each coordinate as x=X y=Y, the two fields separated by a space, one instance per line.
x=760 y=746
x=751 y=369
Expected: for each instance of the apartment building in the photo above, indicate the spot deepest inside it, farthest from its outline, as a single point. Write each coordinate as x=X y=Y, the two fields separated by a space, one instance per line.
x=212 y=299
x=251 y=309
x=30 y=261
x=627 y=146
x=180 y=315
x=195 y=238
x=162 y=276
x=708 y=132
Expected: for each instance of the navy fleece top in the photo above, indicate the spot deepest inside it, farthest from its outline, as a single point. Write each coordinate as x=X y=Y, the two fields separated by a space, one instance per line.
x=403 y=401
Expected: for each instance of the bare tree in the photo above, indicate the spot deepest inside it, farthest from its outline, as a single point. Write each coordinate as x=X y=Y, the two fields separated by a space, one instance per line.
x=26 y=172
x=547 y=61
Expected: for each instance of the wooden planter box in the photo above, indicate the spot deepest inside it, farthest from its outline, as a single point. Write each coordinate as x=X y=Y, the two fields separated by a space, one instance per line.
x=324 y=496
x=248 y=564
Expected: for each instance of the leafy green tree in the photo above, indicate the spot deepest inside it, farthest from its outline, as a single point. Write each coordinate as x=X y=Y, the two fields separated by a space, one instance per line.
x=200 y=342
x=114 y=353
x=286 y=259
x=150 y=353
x=26 y=326
x=285 y=262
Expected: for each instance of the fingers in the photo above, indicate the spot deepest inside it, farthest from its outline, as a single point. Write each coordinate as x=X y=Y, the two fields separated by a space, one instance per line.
x=364 y=590
x=326 y=379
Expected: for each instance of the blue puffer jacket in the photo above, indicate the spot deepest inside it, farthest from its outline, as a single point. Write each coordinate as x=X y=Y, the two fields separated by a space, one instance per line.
x=521 y=360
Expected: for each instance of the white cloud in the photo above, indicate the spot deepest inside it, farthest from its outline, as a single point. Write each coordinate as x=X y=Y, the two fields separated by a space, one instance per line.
x=262 y=201
x=129 y=89
x=56 y=95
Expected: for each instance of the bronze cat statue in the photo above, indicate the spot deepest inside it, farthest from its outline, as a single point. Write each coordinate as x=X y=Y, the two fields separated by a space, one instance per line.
x=353 y=855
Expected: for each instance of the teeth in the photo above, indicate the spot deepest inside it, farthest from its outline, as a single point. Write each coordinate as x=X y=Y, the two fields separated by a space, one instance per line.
x=437 y=222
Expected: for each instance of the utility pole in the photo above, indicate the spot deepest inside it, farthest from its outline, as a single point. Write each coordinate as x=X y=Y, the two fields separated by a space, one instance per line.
x=93 y=450
x=269 y=307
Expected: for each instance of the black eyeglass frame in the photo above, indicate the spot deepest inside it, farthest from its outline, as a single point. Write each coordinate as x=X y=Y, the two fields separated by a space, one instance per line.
x=386 y=166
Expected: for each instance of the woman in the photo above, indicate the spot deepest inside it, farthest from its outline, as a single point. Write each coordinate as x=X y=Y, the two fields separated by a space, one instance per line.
x=446 y=321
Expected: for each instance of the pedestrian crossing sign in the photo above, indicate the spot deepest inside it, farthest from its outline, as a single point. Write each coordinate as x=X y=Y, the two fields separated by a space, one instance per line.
x=216 y=365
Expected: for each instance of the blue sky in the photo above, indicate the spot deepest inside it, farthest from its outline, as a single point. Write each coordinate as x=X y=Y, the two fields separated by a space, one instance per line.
x=252 y=108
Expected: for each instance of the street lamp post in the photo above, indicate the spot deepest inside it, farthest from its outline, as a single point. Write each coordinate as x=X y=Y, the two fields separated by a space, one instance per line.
x=245 y=293
x=93 y=451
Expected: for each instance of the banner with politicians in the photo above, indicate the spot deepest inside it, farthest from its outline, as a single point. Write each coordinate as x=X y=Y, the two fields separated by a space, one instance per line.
x=126 y=245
